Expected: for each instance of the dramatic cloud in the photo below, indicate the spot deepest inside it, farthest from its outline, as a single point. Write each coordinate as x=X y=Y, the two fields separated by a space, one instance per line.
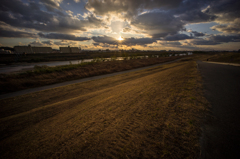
x=105 y=39
x=232 y=28
x=177 y=37
x=19 y=14
x=51 y=4
x=196 y=16
x=126 y=41
x=197 y=34
x=158 y=24
x=138 y=41
x=225 y=10
x=203 y=42
x=150 y=23
x=62 y=36
x=128 y=8
x=16 y=34
x=225 y=38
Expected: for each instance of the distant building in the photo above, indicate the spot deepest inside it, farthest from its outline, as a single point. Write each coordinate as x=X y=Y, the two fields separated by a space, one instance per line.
x=70 y=49
x=29 y=49
x=41 y=49
x=23 y=49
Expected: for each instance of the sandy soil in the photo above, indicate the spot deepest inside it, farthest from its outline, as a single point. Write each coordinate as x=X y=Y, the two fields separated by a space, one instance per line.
x=153 y=113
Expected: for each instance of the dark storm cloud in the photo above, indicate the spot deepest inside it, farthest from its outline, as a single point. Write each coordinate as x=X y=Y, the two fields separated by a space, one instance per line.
x=19 y=14
x=228 y=10
x=138 y=41
x=63 y=37
x=17 y=6
x=92 y=19
x=177 y=37
x=105 y=39
x=197 y=34
x=47 y=23
x=232 y=28
x=177 y=13
x=126 y=41
x=158 y=24
x=191 y=11
x=14 y=10
x=204 y=42
x=196 y=16
x=160 y=19
x=51 y=4
x=16 y=34
x=129 y=7
x=225 y=38
x=228 y=14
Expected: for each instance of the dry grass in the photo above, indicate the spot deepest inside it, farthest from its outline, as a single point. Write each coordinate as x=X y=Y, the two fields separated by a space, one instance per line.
x=43 y=57
x=226 y=57
x=153 y=113
x=46 y=76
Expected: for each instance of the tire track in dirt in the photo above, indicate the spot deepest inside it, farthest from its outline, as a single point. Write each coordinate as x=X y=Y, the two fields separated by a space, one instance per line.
x=131 y=118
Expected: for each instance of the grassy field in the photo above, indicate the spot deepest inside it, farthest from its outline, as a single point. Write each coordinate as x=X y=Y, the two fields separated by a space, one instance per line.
x=43 y=75
x=225 y=57
x=44 y=57
x=154 y=113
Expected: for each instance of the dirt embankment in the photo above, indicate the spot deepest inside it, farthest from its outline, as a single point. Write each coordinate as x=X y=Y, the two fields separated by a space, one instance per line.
x=51 y=75
x=152 y=113
x=225 y=57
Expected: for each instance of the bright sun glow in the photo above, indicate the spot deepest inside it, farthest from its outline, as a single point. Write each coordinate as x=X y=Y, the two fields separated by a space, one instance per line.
x=120 y=38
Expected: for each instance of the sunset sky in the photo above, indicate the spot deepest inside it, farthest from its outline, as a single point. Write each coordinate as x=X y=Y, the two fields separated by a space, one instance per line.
x=142 y=24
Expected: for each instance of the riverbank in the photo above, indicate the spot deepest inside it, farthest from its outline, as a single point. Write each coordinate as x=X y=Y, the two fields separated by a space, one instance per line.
x=7 y=59
x=41 y=76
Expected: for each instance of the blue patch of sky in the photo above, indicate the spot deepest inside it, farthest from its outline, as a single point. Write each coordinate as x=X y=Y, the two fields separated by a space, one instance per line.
x=145 y=11
x=203 y=27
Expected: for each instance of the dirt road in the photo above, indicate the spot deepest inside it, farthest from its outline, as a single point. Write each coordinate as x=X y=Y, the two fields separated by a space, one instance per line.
x=221 y=137
x=152 y=113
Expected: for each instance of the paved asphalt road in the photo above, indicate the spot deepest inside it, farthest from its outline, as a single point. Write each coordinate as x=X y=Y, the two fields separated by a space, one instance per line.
x=32 y=90
x=221 y=132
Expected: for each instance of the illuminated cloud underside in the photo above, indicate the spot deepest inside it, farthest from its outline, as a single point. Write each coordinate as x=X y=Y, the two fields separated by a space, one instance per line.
x=125 y=24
